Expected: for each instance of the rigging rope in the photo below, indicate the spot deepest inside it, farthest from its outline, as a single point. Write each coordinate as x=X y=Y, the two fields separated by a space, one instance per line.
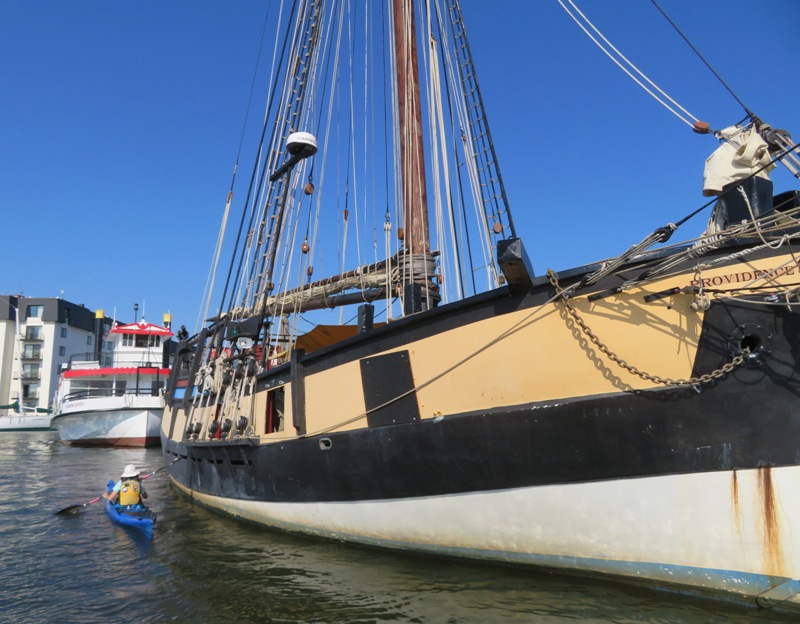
x=707 y=64
x=629 y=63
x=334 y=34
x=532 y=317
x=209 y=288
x=252 y=191
x=667 y=381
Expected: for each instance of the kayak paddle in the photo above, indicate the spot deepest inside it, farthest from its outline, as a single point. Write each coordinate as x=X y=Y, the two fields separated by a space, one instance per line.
x=76 y=508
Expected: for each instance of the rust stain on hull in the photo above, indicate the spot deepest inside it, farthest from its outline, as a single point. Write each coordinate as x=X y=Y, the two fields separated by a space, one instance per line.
x=737 y=511
x=773 y=553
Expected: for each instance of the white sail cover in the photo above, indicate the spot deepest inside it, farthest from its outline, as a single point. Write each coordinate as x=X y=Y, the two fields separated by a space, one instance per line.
x=741 y=154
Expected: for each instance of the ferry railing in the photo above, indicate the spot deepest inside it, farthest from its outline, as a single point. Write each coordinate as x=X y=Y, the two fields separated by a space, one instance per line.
x=88 y=361
x=95 y=393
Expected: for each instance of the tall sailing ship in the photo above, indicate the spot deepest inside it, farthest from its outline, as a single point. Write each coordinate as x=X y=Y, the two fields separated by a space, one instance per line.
x=636 y=418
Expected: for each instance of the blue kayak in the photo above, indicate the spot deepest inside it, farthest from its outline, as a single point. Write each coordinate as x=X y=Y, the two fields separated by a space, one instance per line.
x=136 y=517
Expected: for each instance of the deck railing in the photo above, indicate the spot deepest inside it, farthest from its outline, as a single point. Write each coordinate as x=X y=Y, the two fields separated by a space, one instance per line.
x=80 y=395
x=88 y=361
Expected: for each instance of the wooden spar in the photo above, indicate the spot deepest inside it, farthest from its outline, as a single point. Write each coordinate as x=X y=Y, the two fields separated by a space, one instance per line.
x=415 y=203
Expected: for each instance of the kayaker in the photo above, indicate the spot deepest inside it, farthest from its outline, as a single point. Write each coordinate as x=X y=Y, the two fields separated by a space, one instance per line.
x=129 y=490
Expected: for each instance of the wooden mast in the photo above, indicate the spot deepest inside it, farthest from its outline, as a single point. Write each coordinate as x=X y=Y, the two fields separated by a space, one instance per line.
x=415 y=204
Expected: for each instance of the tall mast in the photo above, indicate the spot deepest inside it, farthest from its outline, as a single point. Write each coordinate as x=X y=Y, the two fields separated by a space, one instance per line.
x=415 y=204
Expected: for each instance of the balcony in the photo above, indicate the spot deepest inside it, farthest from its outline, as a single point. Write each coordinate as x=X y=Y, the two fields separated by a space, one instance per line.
x=33 y=334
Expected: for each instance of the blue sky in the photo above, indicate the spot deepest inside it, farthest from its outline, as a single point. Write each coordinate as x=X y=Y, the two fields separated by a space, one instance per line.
x=120 y=123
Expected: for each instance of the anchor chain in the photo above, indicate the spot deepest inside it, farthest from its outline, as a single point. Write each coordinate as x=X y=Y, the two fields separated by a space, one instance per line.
x=692 y=381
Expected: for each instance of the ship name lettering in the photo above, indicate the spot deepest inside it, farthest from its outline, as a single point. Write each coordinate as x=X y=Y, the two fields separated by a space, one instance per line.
x=744 y=276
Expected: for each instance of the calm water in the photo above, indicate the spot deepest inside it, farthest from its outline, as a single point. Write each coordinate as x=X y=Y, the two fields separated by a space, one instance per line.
x=203 y=567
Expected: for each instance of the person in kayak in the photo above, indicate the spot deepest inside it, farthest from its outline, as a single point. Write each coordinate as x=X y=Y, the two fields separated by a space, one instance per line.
x=128 y=491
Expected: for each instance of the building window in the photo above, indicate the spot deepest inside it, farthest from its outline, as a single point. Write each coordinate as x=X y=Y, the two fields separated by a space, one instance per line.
x=30 y=391
x=33 y=333
x=63 y=332
x=30 y=371
x=88 y=340
x=148 y=341
x=62 y=351
x=127 y=340
x=33 y=311
x=32 y=352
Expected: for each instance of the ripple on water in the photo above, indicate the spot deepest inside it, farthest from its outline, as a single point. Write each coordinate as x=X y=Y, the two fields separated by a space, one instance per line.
x=202 y=567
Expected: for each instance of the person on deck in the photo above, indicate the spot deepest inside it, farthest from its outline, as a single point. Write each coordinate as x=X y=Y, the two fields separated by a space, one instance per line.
x=128 y=491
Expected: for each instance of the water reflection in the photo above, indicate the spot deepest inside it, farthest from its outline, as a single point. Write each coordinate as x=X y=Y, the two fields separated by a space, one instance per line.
x=285 y=578
x=205 y=567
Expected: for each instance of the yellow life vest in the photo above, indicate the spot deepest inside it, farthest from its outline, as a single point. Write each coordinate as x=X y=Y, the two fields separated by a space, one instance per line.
x=130 y=493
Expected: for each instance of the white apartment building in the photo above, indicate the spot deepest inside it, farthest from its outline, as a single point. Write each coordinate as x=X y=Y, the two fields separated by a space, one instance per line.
x=37 y=336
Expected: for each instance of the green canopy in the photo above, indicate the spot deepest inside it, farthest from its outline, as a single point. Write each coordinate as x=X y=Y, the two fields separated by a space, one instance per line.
x=15 y=406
